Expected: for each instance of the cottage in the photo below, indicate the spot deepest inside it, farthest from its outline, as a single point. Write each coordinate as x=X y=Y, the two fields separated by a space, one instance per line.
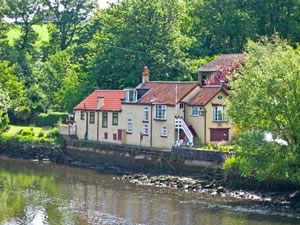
x=157 y=114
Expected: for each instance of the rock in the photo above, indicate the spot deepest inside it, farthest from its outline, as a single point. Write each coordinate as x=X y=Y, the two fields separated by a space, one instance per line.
x=295 y=197
x=220 y=190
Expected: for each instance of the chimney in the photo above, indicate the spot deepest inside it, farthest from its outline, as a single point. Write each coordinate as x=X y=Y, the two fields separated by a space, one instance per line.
x=100 y=101
x=145 y=75
x=222 y=82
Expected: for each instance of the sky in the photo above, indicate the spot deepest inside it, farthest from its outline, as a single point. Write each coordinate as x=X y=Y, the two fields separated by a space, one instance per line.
x=104 y=4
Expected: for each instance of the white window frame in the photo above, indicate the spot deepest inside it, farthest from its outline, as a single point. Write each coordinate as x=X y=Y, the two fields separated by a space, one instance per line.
x=146 y=113
x=146 y=129
x=195 y=111
x=160 y=112
x=219 y=113
x=129 y=125
x=164 y=131
x=131 y=95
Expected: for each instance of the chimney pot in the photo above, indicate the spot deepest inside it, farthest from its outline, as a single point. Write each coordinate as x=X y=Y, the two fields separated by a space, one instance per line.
x=145 y=75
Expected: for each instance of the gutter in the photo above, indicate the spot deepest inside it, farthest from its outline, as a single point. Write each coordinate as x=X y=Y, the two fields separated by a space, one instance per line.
x=151 y=121
x=97 y=125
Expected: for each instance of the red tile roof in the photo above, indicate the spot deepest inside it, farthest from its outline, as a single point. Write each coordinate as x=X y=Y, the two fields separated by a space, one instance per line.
x=165 y=92
x=112 y=101
x=205 y=94
x=226 y=59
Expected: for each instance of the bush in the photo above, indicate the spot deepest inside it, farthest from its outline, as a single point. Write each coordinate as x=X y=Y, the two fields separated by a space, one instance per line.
x=51 y=119
x=22 y=112
x=27 y=132
x=40 y=134
x=53 y=133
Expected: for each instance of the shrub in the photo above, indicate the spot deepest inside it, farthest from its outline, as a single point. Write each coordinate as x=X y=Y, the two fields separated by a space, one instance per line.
x=27 y=132
x=210 y=147
x=22 y=112
x=53 y=133
x=40 y=134
x=51 y=119
x=19 y=132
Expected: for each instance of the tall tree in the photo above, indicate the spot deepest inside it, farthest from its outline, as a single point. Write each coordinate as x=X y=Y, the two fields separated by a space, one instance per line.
x=27 y=13
x=135 y=34
x=266 y=93
x=69 y=15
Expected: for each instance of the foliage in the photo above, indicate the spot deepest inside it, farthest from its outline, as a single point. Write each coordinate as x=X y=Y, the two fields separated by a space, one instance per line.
x=26 y=132
x=4 y=100
x=266 y=93
x=224 y=73
x=4 y=120
x=69 y=15
x=264 y=160
x=22 y=112
x=53 y=133
x=51 y=119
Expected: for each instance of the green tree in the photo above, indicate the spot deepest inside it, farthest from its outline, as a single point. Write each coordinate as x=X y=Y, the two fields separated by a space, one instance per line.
x=22 y=113
x=4 y=105
x=10 y=83
x=27 y=13
x=135 y=34
x=69 y=15
x=265 y=97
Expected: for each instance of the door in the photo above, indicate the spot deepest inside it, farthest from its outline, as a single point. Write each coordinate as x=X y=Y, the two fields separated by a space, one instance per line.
x=219 y=134
x=181 y=109
x=120 y=135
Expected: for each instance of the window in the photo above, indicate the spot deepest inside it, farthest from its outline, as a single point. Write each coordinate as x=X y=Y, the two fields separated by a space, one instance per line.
x=131 y=95
x=219 y=113
x=92 y=117
x=146 y=129
x=104 y=119
x=82 y=115
x=164 y=131
x=115 y=118
x=146 y=113
x=195 y=111
x=105 y=135
x=129 y=126
x=115 y=137
x=160 y=112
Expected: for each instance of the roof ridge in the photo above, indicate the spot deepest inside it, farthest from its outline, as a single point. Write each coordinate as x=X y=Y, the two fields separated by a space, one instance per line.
x=108 y=90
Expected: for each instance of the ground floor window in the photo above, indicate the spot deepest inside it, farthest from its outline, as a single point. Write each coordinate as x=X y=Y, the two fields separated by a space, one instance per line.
x=164 y=131
x=146 y=129
x=105 y=135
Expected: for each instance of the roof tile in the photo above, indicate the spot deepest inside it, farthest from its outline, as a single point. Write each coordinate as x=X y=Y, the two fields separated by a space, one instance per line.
x=112 y=101
x=205 y=94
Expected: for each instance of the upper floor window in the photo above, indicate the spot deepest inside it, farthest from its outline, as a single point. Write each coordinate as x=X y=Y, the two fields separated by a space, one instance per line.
x=82 y=115
x=219 y=113
x=131 y=95
x=115 y=118
x=146 y=113
x=160 y=112
x=92 y=117
x=195 y=111
x=129 y=125
x=104 y=119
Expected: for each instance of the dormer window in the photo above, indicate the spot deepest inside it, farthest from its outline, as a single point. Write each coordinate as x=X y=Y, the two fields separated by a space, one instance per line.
x=131 y=95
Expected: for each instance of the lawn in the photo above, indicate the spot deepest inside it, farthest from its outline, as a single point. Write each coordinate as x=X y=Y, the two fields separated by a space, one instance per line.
x=40 y=29
x=13 y=129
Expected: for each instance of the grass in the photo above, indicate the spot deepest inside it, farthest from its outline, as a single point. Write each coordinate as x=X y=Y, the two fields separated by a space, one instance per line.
x=40 y=29
x=13 y=129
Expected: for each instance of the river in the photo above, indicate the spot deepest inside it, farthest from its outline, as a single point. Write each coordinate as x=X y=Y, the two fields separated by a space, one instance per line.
x=46 y=193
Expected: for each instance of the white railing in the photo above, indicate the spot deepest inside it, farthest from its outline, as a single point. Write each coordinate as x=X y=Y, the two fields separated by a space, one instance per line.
x=180 y=124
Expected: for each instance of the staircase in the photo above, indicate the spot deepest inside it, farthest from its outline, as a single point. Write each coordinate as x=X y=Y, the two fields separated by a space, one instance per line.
x=180 y=124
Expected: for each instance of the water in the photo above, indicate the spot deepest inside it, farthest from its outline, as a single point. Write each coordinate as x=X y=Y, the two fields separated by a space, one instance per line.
x=38 y=193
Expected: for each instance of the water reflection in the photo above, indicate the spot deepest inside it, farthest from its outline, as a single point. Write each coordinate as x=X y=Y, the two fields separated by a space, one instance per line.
x=36 y=193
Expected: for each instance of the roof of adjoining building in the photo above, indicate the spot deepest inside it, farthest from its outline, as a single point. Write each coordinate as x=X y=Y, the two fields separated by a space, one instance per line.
x=112 y=101
x=205 y=94
x=225 y=59
x=167 y=93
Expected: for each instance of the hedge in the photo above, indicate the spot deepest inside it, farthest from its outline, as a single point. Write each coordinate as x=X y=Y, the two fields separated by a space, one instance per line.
x=51 y=119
